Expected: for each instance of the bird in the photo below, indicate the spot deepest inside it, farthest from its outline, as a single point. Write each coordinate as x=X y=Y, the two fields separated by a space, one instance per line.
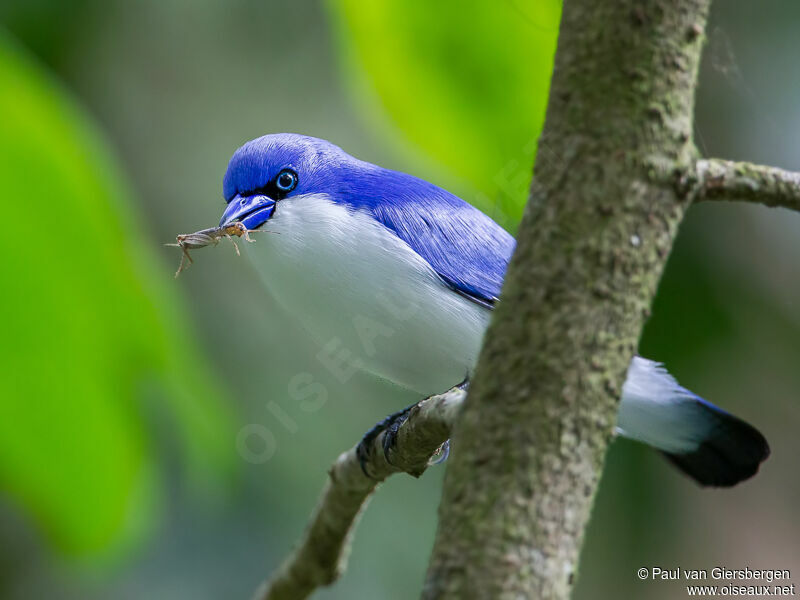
x=402 y=275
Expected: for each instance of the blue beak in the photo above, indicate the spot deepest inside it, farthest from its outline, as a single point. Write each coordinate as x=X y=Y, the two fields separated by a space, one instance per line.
x=252 y=211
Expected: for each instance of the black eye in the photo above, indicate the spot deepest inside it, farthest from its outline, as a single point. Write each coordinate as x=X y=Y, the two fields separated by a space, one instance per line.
x=286 y=181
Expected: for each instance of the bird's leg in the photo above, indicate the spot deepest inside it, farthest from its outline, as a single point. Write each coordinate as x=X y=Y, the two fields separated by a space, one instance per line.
x=389 y=427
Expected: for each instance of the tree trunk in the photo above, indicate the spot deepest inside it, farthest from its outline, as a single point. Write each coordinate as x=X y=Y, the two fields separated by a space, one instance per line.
x=605 y=204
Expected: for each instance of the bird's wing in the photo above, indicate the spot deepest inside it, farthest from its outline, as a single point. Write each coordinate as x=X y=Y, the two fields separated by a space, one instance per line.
x=467 y=249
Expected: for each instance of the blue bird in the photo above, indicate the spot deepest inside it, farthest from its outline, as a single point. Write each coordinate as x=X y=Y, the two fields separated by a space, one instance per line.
x=403 y=275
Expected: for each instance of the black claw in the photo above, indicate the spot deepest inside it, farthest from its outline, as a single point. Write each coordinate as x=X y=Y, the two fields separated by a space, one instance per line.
x=362 y=453
x=390 y=437
x=390 y=425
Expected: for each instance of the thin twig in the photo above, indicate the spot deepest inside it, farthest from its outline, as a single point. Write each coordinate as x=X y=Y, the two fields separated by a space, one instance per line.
x=740 y=181
x=321 y=555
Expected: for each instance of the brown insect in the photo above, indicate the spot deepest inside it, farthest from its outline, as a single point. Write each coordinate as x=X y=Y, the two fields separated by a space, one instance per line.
x=208 y=237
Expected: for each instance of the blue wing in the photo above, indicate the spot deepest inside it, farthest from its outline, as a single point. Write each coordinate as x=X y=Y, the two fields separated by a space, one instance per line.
x=467 y=249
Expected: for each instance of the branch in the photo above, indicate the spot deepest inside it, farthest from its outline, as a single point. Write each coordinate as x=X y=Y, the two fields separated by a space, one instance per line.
x=727 y=180
x=321 y=556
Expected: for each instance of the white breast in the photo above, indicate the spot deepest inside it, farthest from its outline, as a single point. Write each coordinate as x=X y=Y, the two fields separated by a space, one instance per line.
x=366 y=296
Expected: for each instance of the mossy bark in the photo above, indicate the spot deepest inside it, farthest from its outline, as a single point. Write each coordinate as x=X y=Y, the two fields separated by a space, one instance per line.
x=528 y=449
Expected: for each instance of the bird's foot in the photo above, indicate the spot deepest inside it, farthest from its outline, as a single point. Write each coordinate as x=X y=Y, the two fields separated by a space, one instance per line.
x=389 y=426
x=441 y=454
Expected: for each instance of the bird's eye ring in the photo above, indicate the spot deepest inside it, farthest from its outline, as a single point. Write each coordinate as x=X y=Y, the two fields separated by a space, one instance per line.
x=286 y=181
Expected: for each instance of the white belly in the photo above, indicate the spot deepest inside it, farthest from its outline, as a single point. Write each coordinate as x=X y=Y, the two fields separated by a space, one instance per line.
x=366 y=296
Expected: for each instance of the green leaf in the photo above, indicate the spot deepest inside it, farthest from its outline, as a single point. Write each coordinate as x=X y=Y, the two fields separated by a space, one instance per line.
x=90 y=321
x=466 y=83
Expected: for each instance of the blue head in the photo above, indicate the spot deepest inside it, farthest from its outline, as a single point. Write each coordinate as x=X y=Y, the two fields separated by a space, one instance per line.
x=273 y=168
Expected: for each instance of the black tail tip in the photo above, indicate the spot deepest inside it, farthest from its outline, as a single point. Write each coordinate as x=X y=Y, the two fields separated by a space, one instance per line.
x=732 y=453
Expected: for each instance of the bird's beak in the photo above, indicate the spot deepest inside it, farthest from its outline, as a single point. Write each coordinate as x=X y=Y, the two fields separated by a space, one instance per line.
x=252 y=211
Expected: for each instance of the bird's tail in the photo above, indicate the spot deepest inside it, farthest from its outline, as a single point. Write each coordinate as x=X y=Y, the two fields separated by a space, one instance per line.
x=705 y=442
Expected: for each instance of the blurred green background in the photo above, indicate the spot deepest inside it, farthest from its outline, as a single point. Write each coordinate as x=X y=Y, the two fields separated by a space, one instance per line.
x=149 y=443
